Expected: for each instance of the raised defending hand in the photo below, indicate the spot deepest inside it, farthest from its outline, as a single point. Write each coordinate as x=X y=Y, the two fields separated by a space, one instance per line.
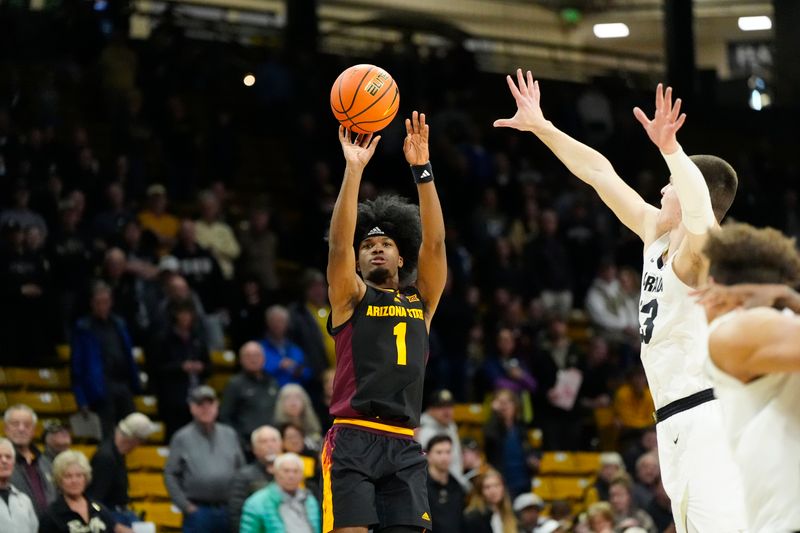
x=357 y=152
x=667 y=121
x=529 y=115
x=415 y=145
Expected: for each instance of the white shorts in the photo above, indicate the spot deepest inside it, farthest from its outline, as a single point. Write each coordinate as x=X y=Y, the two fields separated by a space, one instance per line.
x=699 y=473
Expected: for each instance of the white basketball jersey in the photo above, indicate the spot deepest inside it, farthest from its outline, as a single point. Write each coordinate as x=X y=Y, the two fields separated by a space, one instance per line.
x=673 y=330
x=762 y=424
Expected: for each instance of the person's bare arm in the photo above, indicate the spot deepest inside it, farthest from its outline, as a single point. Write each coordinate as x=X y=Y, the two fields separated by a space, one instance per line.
x=697 y=213
x=584 y=162
x=432 y=265
x=756 y=342
x=345 y=287
x=750 y=295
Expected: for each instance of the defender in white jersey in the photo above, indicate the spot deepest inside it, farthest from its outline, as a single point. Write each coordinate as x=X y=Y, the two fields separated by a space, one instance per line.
x=696 y=464
x=755 y=366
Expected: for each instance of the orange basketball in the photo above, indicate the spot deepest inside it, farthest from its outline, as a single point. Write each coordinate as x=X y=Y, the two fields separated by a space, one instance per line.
x=364 y=98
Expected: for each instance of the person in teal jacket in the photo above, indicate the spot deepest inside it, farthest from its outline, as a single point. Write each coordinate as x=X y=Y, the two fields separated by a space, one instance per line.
x=282 y=506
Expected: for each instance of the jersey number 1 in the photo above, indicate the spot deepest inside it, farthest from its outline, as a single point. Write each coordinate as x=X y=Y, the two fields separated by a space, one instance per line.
x=400 y=341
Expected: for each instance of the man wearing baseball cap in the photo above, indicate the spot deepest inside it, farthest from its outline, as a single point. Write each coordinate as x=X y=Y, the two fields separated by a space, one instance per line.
x=438 y=420
x=110 y=473
x=204 y=456
x=527 y=507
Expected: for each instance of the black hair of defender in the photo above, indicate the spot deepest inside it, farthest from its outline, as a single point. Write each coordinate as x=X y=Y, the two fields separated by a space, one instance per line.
x=399 y=219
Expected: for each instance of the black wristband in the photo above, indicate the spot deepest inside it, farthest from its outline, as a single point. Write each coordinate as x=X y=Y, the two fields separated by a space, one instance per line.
x=422 y=173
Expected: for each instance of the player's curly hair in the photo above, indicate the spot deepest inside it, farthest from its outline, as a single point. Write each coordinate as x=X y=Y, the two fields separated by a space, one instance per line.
x=399 y=219
x=740 y=253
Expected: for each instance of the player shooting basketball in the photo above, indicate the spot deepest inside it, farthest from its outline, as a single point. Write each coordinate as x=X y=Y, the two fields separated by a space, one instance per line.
x=697 y=466
x=374 y=473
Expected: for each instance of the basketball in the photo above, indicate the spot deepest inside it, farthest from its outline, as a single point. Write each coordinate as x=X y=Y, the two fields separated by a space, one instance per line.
x=364 y=98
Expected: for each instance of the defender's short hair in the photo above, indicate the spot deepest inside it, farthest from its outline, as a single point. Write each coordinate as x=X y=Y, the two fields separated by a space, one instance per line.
x=721 y=180
x=399 y=220
x=740 y=253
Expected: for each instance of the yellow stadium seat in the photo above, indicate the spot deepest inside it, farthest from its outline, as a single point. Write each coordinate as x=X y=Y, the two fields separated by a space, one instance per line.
x=558 y=463
x=164 y=515
x=561 y=487
x=223 y=359
x=157 y=436
x=3 y=401
x=147 y=458
x=86 y=449
x=587 y=462
x=4 y=378
x=63 y=351
x=470 y=413
x=45 y=402
x=37 y=378
x=218 y=381
x=309 y=466
x=146 y=404
x=143 y=485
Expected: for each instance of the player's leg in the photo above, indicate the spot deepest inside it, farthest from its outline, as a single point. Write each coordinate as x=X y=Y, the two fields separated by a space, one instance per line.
x=348 y=493
x=716 y=496
x=674 y=474
x=401 y=495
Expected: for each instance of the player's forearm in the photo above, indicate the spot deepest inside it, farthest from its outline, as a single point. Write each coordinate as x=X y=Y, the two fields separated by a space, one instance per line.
x=690 y=186
x=789 y=299
x=583 y=161
x=345 y=211
x=431 y=217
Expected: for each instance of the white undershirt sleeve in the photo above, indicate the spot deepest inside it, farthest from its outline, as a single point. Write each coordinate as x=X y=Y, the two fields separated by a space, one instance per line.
x=697 y=212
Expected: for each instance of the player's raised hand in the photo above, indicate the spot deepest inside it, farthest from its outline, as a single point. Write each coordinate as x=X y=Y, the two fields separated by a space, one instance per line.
x=526 y=93
x=357 y=151
x=415 y=145
x=666 y=122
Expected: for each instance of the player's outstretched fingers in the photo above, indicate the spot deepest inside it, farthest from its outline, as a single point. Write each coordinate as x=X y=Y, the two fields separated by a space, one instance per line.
x=680 y=121
x=422 y=124
x=365 y=140
x=530 y=83
x=641 y=116
x=659 y=96
x=523 y=89
x=409 y=131
x=668 y=100
x=676 y=110
x=537 y=94
x=513 y=87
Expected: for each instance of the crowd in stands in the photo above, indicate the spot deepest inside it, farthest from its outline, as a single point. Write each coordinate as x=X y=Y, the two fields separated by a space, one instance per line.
x=127 y=222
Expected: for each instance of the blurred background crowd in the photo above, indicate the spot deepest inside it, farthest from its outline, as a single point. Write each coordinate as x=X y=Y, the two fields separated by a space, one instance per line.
x=152 y=204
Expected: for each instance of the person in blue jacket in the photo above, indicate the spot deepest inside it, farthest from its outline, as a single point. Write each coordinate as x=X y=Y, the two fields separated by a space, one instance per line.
x=283 y=506
x=285 y=361
x=104 y=374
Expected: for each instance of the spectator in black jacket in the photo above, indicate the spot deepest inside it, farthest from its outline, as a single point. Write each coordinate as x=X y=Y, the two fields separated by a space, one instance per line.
x=180 y=362
x=488 y=505
x=247 y=317
x=250 y=396
x=109 y=484
x=445 y=495
x=25 y=300
x=199 y=267
x=266 y=444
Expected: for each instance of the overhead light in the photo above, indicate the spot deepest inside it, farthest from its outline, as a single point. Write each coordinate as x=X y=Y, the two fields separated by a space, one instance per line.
x=249 y=80
x=612 y=30
x=759 y=23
